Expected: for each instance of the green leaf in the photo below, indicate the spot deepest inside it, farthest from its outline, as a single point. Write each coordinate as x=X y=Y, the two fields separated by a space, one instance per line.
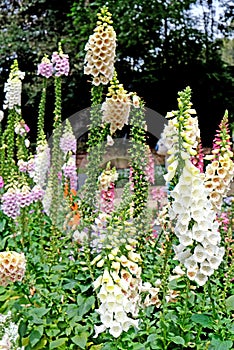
x=86 y=306
x=72 y=311
x=70 y=285
x=41 y=311
x=36 y=335
x=81 y=339
x=58 y=342
x=151 y=338
x=22 y=329
x=202 y=319
x=217 y=344
x=41 y=344
x=178 y=340
x=230 y=303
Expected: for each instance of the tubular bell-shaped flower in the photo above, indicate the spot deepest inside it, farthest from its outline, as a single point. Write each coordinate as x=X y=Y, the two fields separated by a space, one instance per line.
x=100 y=56
x=219 y=173
x=199 y=238
x=45 y=68
x=116 y=107
x=13 y=87
x=12 y=267
x=181 y=135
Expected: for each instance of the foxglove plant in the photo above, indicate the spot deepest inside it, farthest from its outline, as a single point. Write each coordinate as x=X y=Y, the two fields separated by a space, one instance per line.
x=97 y=131
x=119 y=293
x=199 y=239
x=219 y=173
x=53 y=192
x=100 y=56
x=116 y=107
x=13 y=88
x=107 y=181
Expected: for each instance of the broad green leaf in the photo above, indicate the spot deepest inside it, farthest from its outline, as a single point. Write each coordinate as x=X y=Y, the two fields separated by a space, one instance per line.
x=41 y=344
x=230 y=303
x=217 y=344
x=58 y=342
x=202 y=319
x=22 y=329
x=81 y=339
x=70 y=285
x=86 y=306
x=72 y=311
x=41 y=311
x=151 y=338
x=178 y=340
x=35 y=336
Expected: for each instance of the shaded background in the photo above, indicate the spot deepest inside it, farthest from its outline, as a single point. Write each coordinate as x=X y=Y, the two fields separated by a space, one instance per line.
x=162 y=47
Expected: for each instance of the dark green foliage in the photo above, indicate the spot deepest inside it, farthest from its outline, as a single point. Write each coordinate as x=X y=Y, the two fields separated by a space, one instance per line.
x=162 y=47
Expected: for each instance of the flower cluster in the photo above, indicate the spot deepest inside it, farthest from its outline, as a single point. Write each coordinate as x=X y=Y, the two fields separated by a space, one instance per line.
x=198 y=159
x=15 y=198
x=68 y=139
x=116 y=108
x=13 y=87
x=12 y=267
x=107 y=177
x=180 y=137
x=45 y=68
x=21 y=128
x=61 y=63
x=58 y=65
x=38 y=166
x=10 y=205
x=218 y=176
x=107 y=187
x=119 y=293
x=219 y=173
x=26 y=166
x=100 y=56
x=198 y=235
x=70 y=172
x=10 y=332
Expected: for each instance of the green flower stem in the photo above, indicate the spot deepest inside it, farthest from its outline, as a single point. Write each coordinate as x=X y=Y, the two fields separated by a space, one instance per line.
x=97 y=136
x=138 y=160
x=164 y=287
x=56 y=159
x=41 y=114
x=9 y=143
x=58 y=102
x=186 y=300
x=210 y=293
